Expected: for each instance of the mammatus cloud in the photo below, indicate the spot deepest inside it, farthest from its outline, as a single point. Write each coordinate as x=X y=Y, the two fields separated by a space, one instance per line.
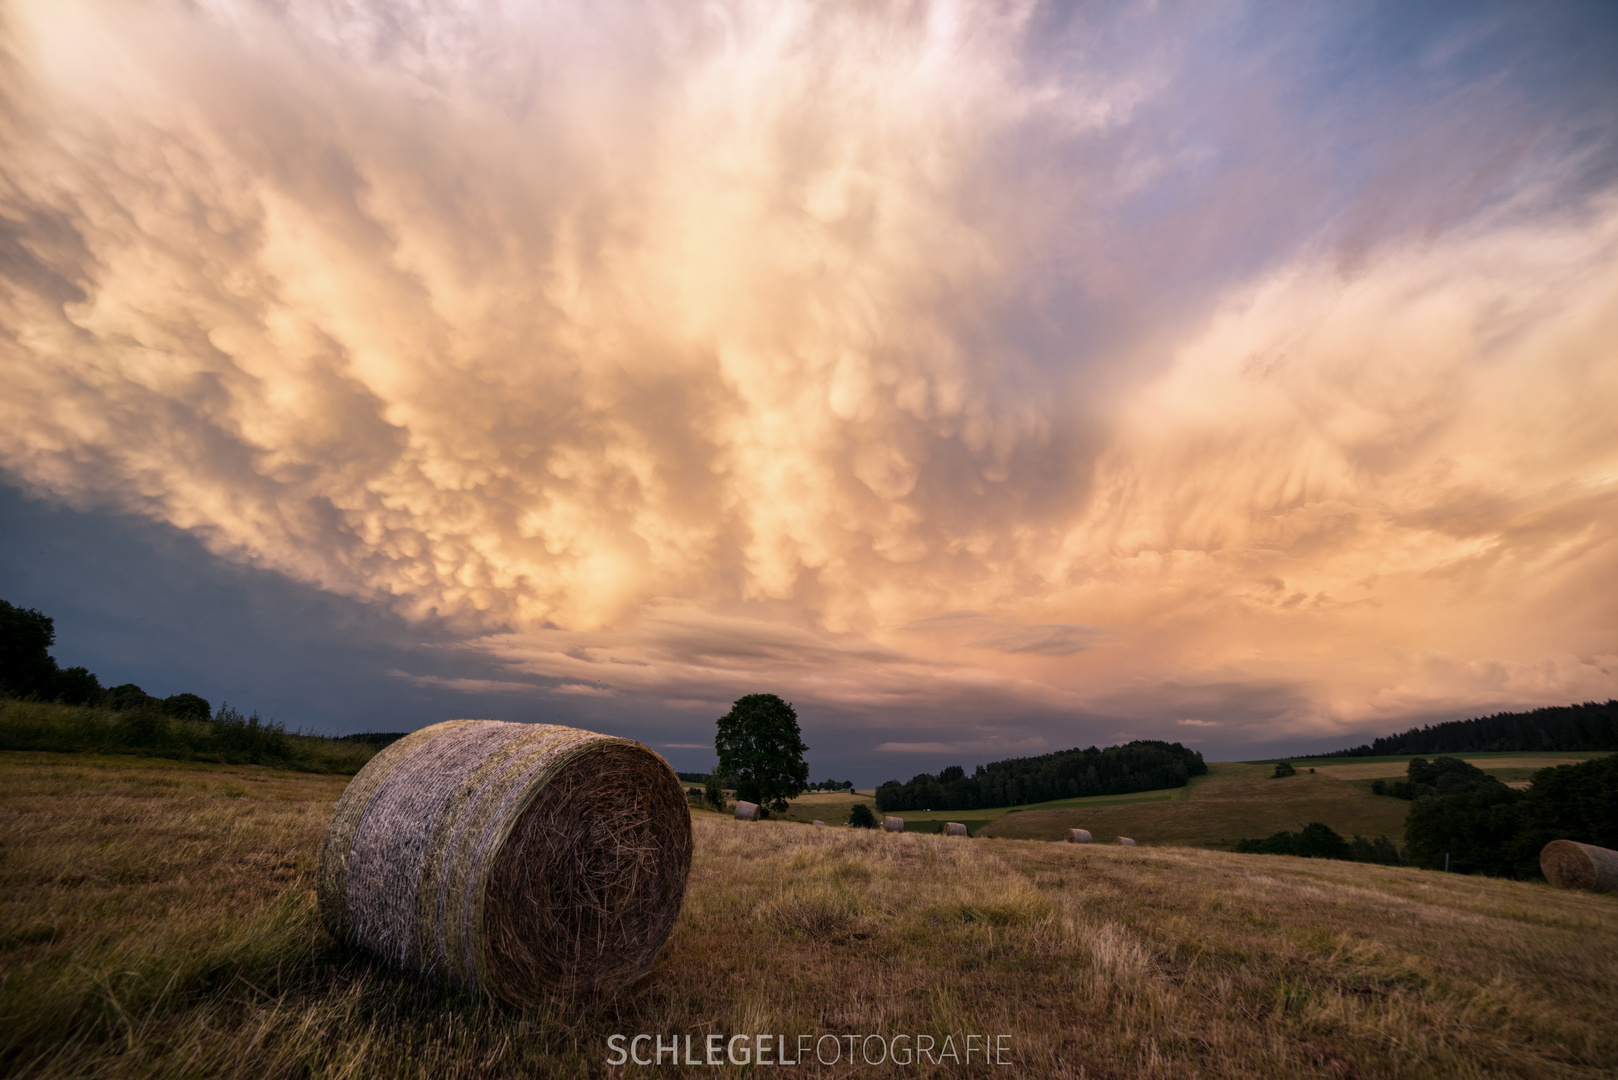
x=951 y=364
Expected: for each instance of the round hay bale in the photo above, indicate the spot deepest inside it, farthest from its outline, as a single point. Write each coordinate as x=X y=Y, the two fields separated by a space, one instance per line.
x=509 y=858
x=893 y=824
x=1124 y=841
x=1568 y=864
x=1078 y=836
x=746 y=811
x=954 y=828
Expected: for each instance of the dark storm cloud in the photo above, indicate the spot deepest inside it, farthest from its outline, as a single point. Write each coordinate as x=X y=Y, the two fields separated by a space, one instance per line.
x=1236 y=368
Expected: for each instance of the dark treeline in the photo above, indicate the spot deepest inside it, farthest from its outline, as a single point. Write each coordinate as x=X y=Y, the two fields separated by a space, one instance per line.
x=44 y=706
x=1440 y=776
x=1318 y=840
x=1144 y=765
x=376 y=740
x=1484 y=827
x=1591 y=726
x=29 y=671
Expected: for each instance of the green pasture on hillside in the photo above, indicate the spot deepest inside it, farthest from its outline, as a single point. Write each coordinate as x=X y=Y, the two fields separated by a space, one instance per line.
x=832 y=807
x=1473 y=756
x=992 y=813
x=1235 y=800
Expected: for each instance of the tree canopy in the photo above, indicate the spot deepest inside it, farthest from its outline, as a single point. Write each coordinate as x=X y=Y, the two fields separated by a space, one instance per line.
x=759 y=744
x=1486 y=827
x=28 y=670
x=26 y=666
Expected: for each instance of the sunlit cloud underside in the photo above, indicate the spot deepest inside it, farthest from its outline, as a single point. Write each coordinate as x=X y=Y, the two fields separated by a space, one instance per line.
x=1191 y=373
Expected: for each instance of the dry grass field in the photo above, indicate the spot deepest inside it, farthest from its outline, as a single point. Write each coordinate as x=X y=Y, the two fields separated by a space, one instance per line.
x=158 y=920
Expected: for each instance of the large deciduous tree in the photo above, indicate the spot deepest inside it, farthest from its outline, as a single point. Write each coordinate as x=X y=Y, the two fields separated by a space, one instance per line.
x=759 y=743
x=26 y=666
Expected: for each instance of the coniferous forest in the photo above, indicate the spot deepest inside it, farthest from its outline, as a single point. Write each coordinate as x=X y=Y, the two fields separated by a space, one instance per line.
x=1590 y=726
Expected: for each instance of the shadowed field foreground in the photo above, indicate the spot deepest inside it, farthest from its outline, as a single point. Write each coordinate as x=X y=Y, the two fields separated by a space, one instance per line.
x=159 y=920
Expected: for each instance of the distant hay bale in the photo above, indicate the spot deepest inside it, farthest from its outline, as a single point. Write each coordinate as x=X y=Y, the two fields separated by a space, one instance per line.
x=893 y=824
x=746 y=811
x=1568 y=864
x=1078 y=836
x=819 y=822
x=1124 y=841
x=509 y=858
x=954 y=828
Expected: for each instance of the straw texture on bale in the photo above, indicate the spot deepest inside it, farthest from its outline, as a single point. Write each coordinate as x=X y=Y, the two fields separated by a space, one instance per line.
x=1124 y=841
x=1078 y=836
x=954 y=828
x=893 y=824
x=746 y=811
x=509 y=858
x=1568 y=864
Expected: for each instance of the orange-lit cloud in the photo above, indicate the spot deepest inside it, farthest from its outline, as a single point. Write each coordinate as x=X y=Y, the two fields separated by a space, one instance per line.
x=855 y=352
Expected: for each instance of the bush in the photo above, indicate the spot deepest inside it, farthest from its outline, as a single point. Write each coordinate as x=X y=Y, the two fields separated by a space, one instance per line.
x=250 y=735
x=376 y=740
x=187 y=707
x=1318 y=841
x=1380 y=850
x=1440 y=776
x=232 y=738
x=76 y=686
x=860 y=817
x=1283 y=768
x=1281 y=843
x=1472 y=831
x=713 y=791
x=127 y=697
x=1315 y=841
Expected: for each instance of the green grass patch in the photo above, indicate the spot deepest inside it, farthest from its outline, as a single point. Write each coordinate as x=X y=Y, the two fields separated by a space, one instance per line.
x=1466 y=755
x=1235 y=800
x=1096 y=800
x=994 y=813
x=934 y=826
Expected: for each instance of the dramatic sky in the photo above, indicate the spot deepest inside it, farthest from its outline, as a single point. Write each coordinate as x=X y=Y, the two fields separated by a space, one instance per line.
x=983 y=378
